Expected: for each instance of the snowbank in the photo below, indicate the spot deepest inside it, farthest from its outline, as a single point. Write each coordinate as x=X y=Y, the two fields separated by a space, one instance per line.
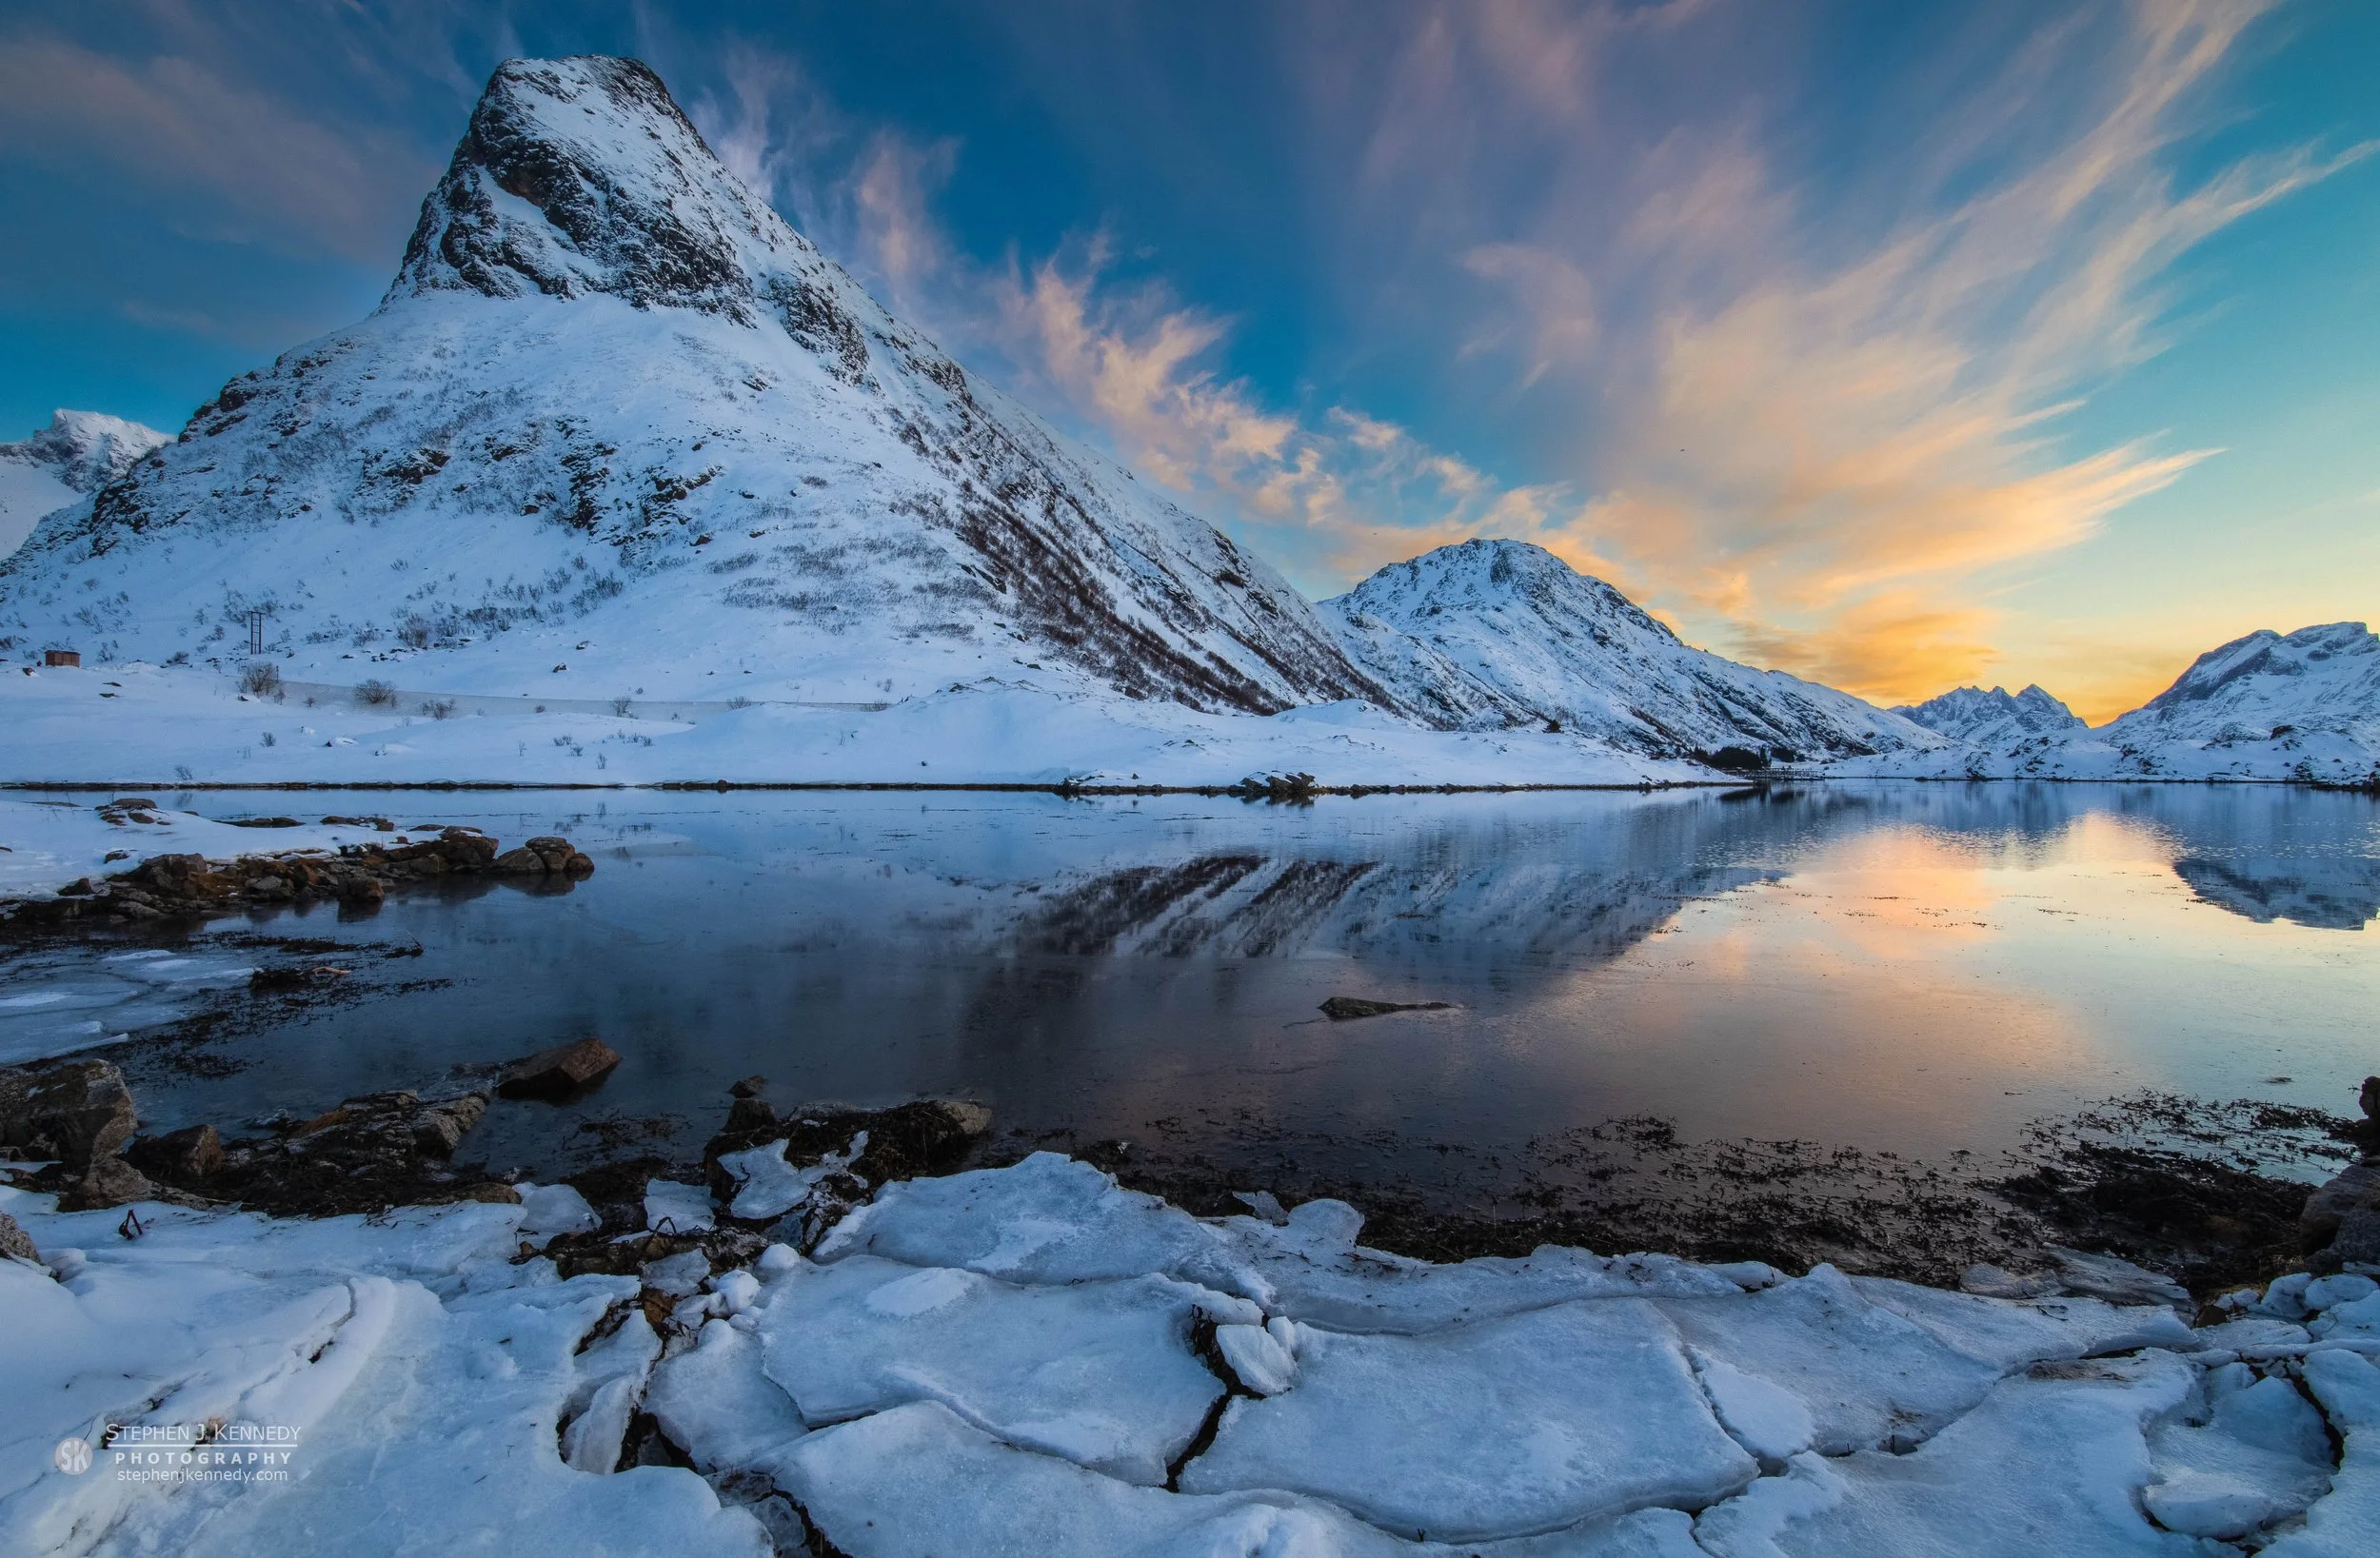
x=137 y=724
x=1035 y=1360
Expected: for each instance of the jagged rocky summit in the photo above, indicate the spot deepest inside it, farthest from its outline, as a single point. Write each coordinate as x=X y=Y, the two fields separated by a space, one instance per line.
x=78 y=453
x=1499 y=633
x=1971 y=714
x=617 y=425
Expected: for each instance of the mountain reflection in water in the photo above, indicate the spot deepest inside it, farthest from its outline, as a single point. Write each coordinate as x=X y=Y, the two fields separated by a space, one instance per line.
x=1918 y=968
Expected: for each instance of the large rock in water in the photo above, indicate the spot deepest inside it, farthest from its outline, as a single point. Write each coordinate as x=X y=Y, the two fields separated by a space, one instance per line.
x=559 y=1072
x=612 y=397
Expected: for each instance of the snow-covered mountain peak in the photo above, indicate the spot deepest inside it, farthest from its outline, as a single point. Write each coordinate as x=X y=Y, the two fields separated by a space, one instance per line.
x=85 y=449
x=1493 y=575
x=1491 y=633
x=618 y=430
x=582 y=175
x=79 y=452
x=1988 y=719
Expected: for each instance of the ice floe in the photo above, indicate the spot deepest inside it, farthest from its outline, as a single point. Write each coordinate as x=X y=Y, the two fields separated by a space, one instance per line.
x=1035 y=1360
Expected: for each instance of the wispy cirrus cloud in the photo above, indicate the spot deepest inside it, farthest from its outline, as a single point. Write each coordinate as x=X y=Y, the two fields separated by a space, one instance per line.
x=1816 y=420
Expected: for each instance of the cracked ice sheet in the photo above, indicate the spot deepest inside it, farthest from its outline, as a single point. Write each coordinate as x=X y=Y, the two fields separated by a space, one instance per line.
x=2051 y=1465
x=2247 y=1453
x=447 y=1443
x=2010 y=1333
x=1318 y=1274
x=2345 y=1524
x=918 y=1483
x=1045 y=1219
x=209 y=1313
x=299 y=1323
x=1098 y=1372
x=1870 y=1377
x=1502 y=1428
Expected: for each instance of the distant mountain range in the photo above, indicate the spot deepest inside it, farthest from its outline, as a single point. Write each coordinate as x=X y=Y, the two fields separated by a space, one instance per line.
x=617 y=430
x=1982 y=718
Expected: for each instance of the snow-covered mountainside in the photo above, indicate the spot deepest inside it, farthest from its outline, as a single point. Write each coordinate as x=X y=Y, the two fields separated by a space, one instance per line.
x=2303 y=706
x=1971 y=714
x=617 y=429
x=1496 y=633
x=78 y=453
x=2318 y=679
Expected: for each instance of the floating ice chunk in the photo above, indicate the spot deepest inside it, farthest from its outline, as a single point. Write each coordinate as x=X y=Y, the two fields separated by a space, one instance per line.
x=1766 y=1419
x=2285 y=1296
x=714 y=1402
x=767 y=1186
x=2051 y=1461
x=1098 y=1372
x=2356 y=1317
x=1257 y=1358
x=678 y=1275
x=1045 y=1219
x=2262 y=1456
x=918 y=1480
x=1867 y=1376
x=685 y=1208
x=591 y=1442
x=1265 y=1204
x=2345 y=1288
x=2009 y=1334
x=2117 y=1280
x=738 y=1290
x=1500 y=1428
x=2256 y=1333
x=555 y=1208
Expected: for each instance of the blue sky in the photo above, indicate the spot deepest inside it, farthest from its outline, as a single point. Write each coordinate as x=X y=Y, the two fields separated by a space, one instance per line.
x=1898 y=346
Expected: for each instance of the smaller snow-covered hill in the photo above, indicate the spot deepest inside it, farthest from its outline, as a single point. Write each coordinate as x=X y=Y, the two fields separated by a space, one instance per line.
x=78 y=453
x=2318 y=679
x=1994 y=717
x=1496 y=633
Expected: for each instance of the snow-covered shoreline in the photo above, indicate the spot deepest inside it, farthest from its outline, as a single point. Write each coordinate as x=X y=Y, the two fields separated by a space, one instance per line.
x=1032 y=1359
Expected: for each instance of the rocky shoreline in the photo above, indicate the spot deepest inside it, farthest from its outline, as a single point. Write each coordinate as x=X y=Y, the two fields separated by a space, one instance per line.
x=182 y=887
x=2186 y=1229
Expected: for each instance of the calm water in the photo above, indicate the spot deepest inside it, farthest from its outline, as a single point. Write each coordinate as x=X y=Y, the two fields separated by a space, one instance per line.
x=1914 y=968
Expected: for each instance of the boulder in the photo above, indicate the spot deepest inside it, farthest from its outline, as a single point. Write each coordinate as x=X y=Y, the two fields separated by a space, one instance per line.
x=15 y=1242
x=559 y=1072
x=107 y=1182
x=2358 y=1242
x=70 y=1111
x=2356 y=1187
x=385 y=1129
x=186 y=1156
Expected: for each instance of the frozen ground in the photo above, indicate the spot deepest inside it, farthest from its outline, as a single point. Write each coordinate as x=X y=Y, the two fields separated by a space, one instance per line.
x=1032 y=1360
x=135 y=724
